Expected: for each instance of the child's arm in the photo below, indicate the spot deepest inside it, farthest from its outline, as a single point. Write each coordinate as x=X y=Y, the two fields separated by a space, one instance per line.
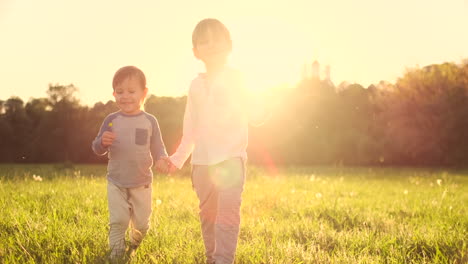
x=104 y=138
x=157 y=148
x=187 y=143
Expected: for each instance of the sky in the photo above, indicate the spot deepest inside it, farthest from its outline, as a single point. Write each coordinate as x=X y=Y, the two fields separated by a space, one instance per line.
x=84 y=42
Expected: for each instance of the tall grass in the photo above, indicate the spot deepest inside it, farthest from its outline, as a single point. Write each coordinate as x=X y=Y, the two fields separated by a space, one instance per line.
x=297 y=215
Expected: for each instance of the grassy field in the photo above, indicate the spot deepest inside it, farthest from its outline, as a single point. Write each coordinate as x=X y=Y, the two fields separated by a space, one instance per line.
x=52 y=214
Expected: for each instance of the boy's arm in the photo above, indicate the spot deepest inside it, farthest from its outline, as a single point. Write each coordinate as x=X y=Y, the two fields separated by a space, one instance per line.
x=97 y=146
x=187 y=143
x=157 y=148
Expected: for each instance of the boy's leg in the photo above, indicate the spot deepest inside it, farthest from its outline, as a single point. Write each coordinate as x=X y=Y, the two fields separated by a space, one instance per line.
x=208 y=198
x=229 y=177
x=119 y=217
x=140 y=202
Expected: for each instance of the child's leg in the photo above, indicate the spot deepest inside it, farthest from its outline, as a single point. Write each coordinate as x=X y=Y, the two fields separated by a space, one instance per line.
x=119 y=217
x=208 y=197
x=230 y=177
x=140 y=202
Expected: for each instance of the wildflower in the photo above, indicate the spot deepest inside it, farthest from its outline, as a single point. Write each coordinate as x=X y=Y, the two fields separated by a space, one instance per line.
x=318 y=195
x=312 y=177
x=439 y=182
x=405 y=192
x=37 y=178
x=158 y=202
x=293 y=190
x=352 y=193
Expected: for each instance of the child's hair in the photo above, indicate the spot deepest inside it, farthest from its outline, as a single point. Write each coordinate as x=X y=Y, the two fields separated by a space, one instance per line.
x=218 y=29
x=126 y=72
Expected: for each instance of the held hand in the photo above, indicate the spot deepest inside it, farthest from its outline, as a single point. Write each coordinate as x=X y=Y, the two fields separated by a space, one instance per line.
x=171 y=167
x=107 y=138
x=162 y=166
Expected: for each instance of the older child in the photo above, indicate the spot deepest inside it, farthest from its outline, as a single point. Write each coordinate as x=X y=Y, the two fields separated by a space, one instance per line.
x=215 y=132
x=132 y=139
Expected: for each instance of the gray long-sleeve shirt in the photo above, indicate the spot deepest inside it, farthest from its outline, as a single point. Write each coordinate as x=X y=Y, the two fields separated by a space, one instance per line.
x=138 y=143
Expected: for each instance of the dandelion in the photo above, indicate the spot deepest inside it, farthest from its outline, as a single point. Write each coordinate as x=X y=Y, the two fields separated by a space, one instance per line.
x=405 y=192
x=158 y=202
x=318 y=195
x=352 y=194
x=293 y=190
x=312 y=177
x=434 y=202
x=37 y=178
x=341 y=179
x=439 y=182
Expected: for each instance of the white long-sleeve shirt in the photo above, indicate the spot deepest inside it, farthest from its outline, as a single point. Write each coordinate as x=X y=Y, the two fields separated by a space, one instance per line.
x=216 y=120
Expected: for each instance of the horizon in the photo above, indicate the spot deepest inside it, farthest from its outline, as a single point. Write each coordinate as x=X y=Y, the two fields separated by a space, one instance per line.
x=83 y=43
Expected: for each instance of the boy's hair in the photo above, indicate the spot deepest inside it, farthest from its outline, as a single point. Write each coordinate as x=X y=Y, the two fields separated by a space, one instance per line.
x=218 y=29
x=126 y=72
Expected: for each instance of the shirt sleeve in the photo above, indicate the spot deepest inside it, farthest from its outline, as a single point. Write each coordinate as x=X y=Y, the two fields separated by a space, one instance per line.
x=97 y=147
x=187 y=143
x=157 y=147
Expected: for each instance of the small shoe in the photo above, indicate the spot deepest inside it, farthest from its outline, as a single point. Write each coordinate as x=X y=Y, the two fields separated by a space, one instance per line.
x=131 y=251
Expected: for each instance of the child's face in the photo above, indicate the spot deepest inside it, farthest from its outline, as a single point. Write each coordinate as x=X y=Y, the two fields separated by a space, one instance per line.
x=212 y=49
x=129 y=96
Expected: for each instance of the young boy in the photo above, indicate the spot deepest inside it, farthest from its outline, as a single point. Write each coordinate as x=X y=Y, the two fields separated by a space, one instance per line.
x=132 y=139
x=215 y=133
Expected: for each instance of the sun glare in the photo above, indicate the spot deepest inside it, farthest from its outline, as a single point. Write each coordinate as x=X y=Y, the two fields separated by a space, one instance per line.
x=271 y=54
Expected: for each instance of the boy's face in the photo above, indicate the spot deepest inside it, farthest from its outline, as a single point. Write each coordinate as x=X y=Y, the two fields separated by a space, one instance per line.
x=212 y=49
x=129 y=96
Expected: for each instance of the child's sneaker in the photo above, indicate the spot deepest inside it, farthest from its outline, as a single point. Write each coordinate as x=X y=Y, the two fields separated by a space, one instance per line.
x=131 y=252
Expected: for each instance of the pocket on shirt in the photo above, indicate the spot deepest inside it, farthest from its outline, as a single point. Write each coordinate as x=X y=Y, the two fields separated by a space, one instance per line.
x=141 y=136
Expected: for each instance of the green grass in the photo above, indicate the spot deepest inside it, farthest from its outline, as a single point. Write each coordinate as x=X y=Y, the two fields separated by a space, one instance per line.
x=298 y=215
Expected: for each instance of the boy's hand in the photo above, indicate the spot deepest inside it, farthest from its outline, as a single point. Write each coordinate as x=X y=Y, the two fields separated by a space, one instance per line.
x=162 y=166
x=107 y=138
x=171 y=167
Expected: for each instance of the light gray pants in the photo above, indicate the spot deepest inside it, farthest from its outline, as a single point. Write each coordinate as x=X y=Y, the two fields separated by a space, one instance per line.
x=127 y=206
x=219 y=188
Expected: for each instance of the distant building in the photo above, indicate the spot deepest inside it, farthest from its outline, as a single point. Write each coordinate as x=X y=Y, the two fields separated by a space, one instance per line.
x=315 y=71
x=327 y=73
x=312 y=71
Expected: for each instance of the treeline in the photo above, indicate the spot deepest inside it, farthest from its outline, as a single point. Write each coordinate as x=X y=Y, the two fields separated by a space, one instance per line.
x=421 y=120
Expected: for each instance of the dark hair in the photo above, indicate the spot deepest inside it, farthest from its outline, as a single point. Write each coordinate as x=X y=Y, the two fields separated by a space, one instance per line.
x=126 y=72
x=218 y=28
